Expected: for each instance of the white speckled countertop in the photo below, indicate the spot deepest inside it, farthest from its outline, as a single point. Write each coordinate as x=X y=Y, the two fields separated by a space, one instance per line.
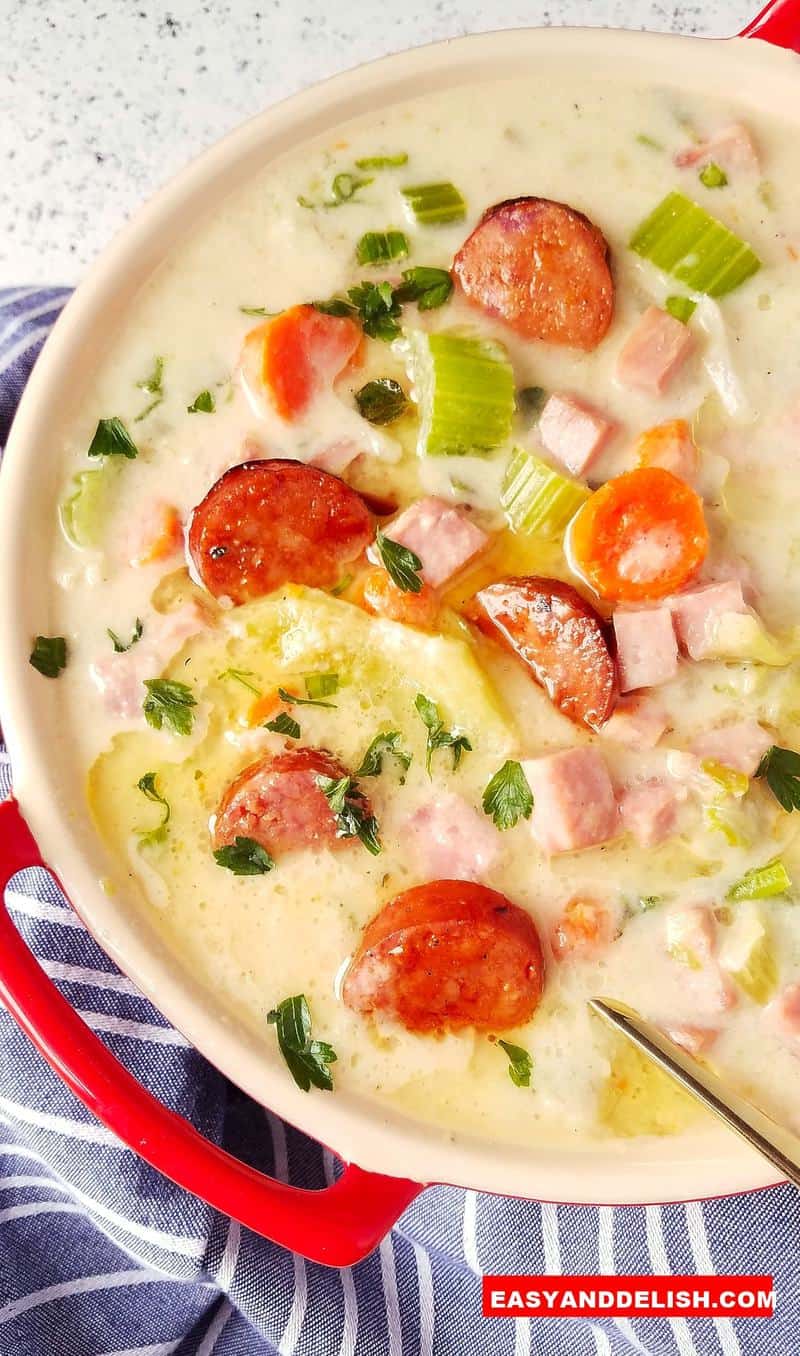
x=102 y=102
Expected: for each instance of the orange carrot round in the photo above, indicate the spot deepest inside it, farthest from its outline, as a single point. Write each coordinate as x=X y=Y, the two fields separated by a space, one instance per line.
x=640 y=537
x=382 y=597
x=305 y=350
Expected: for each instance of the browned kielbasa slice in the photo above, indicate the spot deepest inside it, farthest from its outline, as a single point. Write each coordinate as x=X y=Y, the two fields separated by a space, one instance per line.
x=268 y=523
x=541 y=267
x=278 y=802
x=448 y=955
x=561 y=639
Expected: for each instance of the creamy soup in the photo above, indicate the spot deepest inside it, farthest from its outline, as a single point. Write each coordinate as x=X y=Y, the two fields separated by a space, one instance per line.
x=432 y=649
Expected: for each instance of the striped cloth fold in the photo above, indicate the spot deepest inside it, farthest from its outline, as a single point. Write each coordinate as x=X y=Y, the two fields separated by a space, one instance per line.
x=101 y=1256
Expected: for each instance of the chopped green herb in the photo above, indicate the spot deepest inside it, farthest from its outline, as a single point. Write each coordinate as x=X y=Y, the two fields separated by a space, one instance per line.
x=344 y=186
x=520 y=1064
x=307 y=1060
x=119 y=645
x=241 y=676
x=154 y=386
x=284 y=724
x=342 y=586
x=781 y=768
x=204 y=403
x=428 y=287
x=112 y=439
x=713 y=176
x=683 y=239
x=321 y=685
x=402 y=565
x=258 y=310
x=531 y=399
x=682 y=308
x=508 y=797
x=761 y=882
x=292 y=700
x=648 y=902
x=49 y=655
x=383 y=746
x=650 y=142
x=147 y=785
x=434 y=204
x=349 y=808
x=337 y=306
x=244 y=857
x=380 y=247
x=438 y=736
x=169 y=702
x=379 y=162
x=377 y=308
x=381 y=401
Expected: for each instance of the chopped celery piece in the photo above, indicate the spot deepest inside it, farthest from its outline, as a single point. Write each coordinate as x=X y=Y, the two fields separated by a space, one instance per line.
x=740 y=635
x=537 y=499
x=762 y=882
x=732 y=782
x=714 y=818
x=683 y=239
x=434 y=204
x=321 y=685
x=82 y=513
x=380 y=247
x=748 y=954
x=682 y=308
x=465 y=392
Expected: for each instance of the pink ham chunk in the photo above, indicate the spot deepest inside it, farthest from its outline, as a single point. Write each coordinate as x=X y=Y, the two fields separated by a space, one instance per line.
x=573 y=432
x=574 y=802
x=741 y=746
x=637 y=722
x=120 y=677
x=691 y=941
x=647 y=651
x=695 y=1040
x=654 y=353
x=450 y=840
x=731 y=148
x=649 y=810
x=336 y=457
x=697 y=613
x=444 y=539
x=785 y=1014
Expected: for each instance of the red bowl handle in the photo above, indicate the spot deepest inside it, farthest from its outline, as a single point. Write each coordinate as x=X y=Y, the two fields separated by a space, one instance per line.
x=338 y=1226
x=778 y=23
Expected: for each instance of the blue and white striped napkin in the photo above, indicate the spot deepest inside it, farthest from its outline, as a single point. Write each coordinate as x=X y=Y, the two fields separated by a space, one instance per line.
x=101 y=1256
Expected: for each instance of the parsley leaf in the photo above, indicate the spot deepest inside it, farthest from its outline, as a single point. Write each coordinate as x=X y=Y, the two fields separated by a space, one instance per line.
x=241 y=676
x=307 y=1060
x=244 y=857
x=402 y=565
x=119 y=645
x=284 y=724
x=49 y=655
x=112 y=439
x=336 y=306
x=383 y=745
x=531 y=399
x=147 y=786
x=292 y=700
x=507 y=797
x=381 y=401
x=349 y=809
x=428 y=287
x=204 y=403
x=378 y=309
x=171 y=702
x=781 y=767
x=520 y=1064
x=438 y=736
x=154 y=385
x=258 y=310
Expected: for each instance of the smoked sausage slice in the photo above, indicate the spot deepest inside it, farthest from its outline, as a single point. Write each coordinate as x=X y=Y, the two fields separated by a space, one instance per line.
x=541 y=267
x=448 y=955
x=561 y=639
x=272 y=522
x=278 y=802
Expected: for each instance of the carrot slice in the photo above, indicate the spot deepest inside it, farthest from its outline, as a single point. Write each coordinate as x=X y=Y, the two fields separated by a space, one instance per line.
x=304 y=352
x=585 y=925
x=383 y=598
x=670 y=446
x=264 y=708
x=641 y=536
x=161 y=534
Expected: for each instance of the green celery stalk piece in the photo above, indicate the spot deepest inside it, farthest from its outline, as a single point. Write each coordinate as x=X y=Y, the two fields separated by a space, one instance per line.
x=465 y=391
x=683 y=239
x=536 y=499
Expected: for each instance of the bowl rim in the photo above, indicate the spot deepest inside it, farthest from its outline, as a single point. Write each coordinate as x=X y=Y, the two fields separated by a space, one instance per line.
x=687 y=1167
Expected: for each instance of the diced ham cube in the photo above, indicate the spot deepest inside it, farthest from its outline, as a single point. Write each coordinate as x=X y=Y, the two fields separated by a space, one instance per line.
x=444 y=539
x=451 y=840
x=573 y=800
x=647 y=651
x=741 y=745
x=671 y=447
x=573 y=432
x=120 y=677
x=655 y=352
x=336 y=457
x=731 y=148
x=695 y=1040
x=637 y=722
x=649 y=810
x=785 y=1013
x=691 y=941
x=696 y=614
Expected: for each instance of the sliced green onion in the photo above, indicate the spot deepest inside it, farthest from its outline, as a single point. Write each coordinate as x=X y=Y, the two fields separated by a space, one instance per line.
x=344 y=185
x=762 y=882
x=380 y=247
x=537 y=499
x=321 y=685
x=682 y=308
x=465 y=393
x=713 y=176
x=683 y=239
x=434 y=204
x=732 y=782
x=650 y=142
x=379 y=162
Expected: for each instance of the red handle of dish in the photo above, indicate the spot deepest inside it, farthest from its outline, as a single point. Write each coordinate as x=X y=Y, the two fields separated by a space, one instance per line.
x=338 y=1225
x=778 y=23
